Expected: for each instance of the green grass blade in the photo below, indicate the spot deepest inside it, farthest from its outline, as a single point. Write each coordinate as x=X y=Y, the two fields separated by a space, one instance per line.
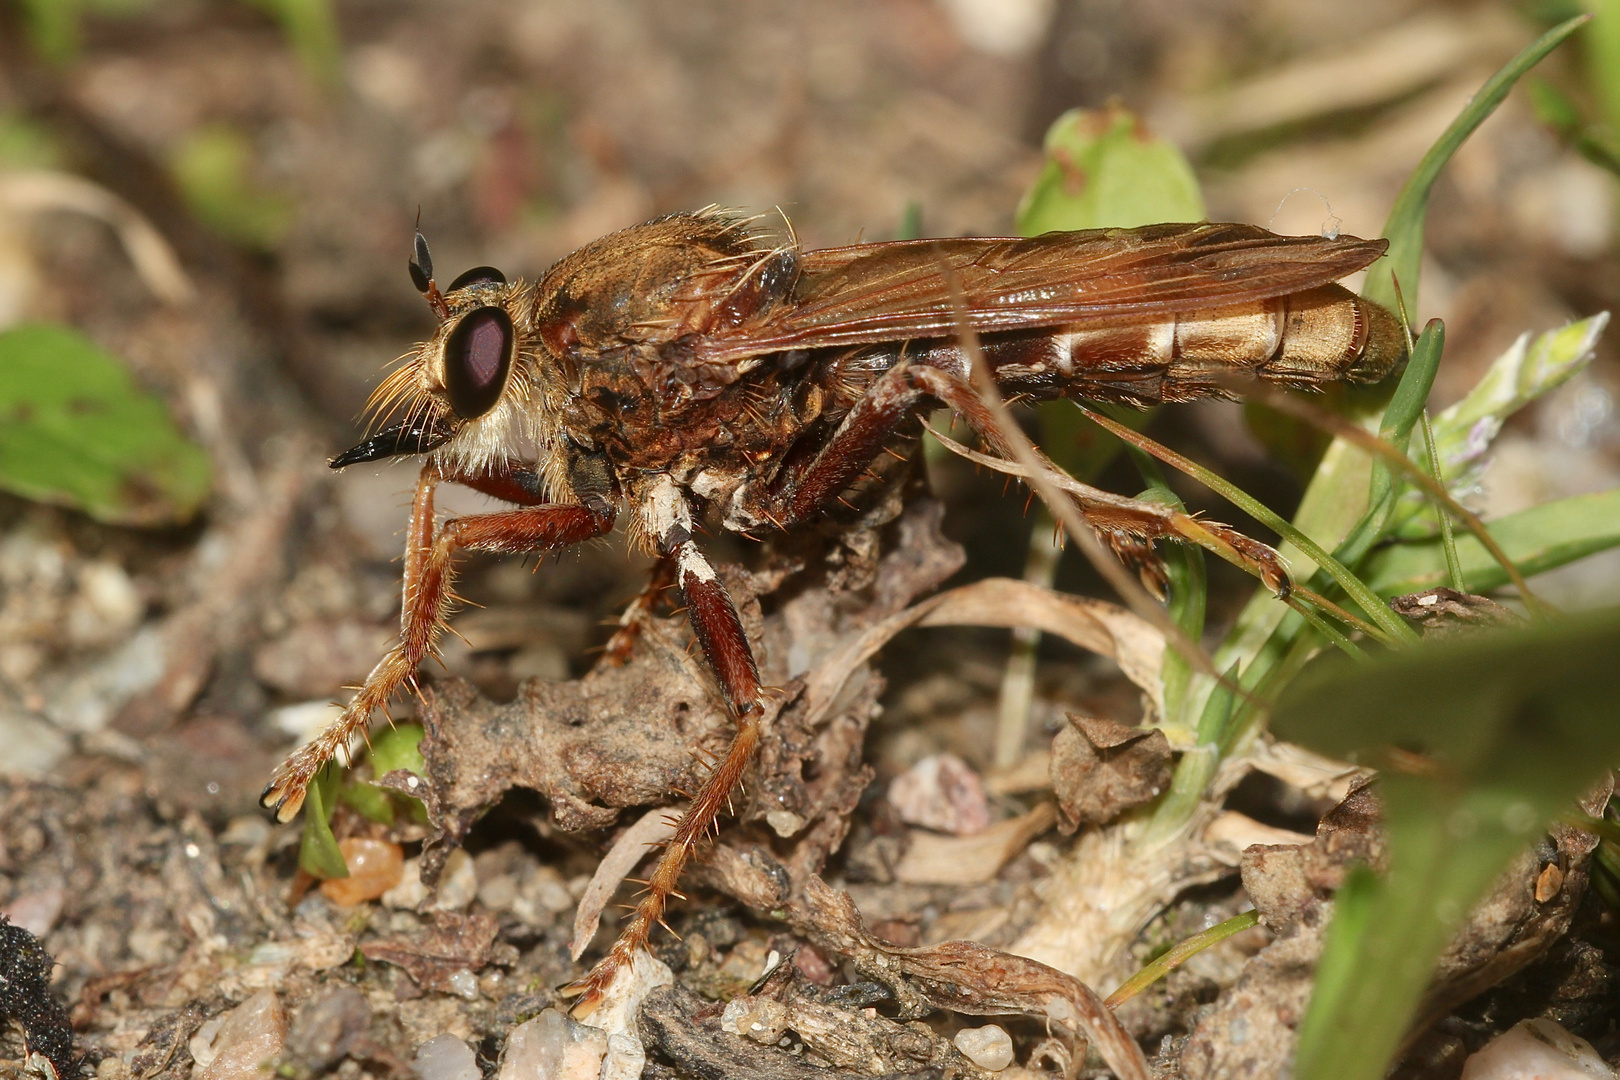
x=53 y=28
x=1602 y=44
x=1411 y=394
x=1536 y=540
x=1448 y=539
x=1376 y=610
x=1404 y=228
x=1180 y=954
x=318 y=852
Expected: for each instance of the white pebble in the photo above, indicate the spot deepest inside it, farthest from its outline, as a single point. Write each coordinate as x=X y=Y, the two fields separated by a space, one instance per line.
x=458 y=883
x=762 y=1019
x=464 y=984
x=445 y=1057
x=248 y=1040
x=988 y=1047
x=107 y=605
x=498 y=893
x=553 y=1047
x=409 y=894
x=1536 y=1050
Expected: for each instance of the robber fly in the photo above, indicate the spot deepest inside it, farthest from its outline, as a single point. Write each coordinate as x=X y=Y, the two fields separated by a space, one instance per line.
x=688 y=370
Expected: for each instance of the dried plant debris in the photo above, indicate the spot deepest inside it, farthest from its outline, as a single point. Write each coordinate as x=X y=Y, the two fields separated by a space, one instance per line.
x=791 y=1037
x=1289 y=883
x=166 y=1041
x=1443 y=612
x=26 y=999
x=1532 y=905
x=1101 y=768
x=961 y=976
x=1250 y=1030
x=445 y=956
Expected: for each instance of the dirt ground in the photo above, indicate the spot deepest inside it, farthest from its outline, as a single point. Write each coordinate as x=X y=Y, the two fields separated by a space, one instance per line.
x=151 y=679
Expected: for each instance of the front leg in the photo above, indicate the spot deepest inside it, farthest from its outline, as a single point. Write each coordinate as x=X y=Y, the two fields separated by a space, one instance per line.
x=428 y=597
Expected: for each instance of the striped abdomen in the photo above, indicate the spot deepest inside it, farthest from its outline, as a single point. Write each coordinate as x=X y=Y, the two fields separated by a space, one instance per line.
x=1324 y=335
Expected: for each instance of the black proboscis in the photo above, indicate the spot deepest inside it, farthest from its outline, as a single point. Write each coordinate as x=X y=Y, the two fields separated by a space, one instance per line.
x=402 y=438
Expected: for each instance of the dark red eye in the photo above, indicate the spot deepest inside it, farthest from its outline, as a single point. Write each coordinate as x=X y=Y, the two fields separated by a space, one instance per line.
x=479 y=275
x=477 y=357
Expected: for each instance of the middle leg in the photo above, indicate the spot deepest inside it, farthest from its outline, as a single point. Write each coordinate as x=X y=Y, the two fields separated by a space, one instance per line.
x=719 y=632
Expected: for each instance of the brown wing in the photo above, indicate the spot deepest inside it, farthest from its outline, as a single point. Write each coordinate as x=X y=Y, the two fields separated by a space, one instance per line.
x=872 y=293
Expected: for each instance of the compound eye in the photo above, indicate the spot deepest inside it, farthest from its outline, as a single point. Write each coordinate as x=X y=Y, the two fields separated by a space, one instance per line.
x=479 y=275
x=477 y=358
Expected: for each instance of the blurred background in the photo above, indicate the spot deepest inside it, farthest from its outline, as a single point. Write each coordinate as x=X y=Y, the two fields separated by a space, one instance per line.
x=218 y=197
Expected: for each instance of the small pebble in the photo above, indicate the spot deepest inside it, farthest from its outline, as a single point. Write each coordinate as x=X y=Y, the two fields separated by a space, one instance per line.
x=1536 y=1050
x=762 y=1019
x=36 y=912
x=988 y=1047
x=464 y=984
x=553 y=1047
x=552 y=892
x=328 y=1026
x=375 y=866
x=410 y=892
x=107 y=606
x=458 y=884
x=445 y=1057
x=499 y=892
x=941 y=792
x=249 y=1040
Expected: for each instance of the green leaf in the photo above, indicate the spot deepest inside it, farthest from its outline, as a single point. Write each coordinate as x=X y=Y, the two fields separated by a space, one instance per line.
x=1539 y=539
x=318 y=852
x=368 y=800
x=1104 y=169
x=1404 y=228
x=76 y=430
x=397 y=748
x=213 y=168
x=392 y=749
x=1507 y=727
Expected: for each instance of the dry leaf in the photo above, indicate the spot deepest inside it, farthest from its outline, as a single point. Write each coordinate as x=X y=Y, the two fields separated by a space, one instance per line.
x=933 y=859
x=1101 y=768
x=966 y=977
x=651 y=829
x=436 y=956
x=1103 y=628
